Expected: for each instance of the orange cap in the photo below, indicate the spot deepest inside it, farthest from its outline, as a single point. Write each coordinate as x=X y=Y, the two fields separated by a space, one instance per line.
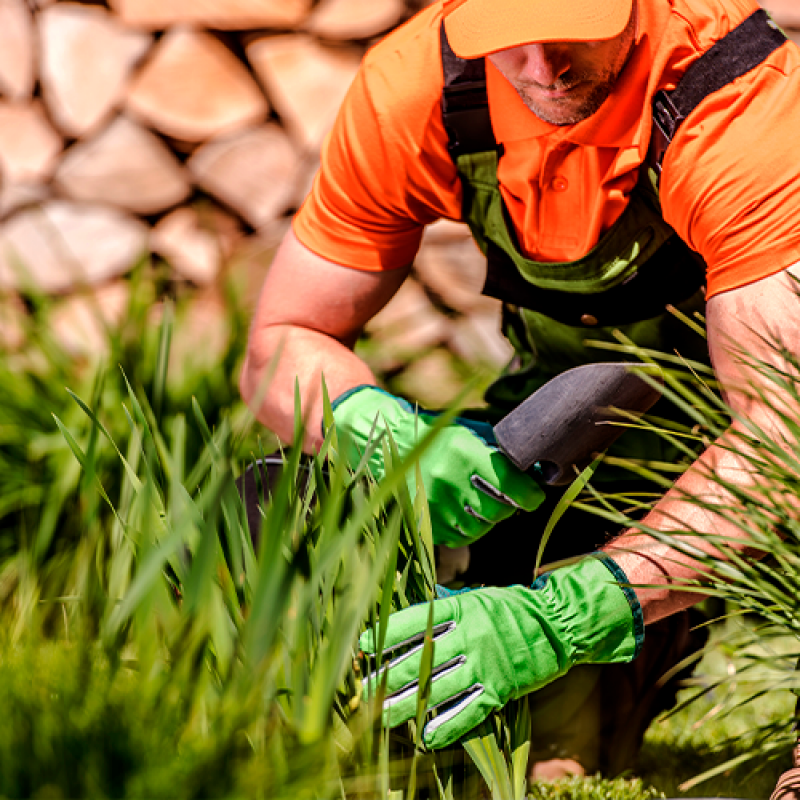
x=479 y=27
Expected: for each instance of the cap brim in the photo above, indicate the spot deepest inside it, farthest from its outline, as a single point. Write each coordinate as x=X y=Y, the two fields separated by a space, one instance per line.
x=480 y=27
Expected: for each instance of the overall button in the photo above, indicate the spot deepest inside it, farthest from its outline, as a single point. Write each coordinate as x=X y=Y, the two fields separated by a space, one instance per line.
x=588 y=319
x=559 y=184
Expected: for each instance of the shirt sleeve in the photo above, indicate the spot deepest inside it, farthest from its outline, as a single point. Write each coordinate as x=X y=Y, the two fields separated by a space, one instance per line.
x=731 y=180
x=385 y=171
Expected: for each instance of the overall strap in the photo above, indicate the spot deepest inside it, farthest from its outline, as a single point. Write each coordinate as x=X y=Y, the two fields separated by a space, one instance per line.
x=736 y=54
x=465 y=106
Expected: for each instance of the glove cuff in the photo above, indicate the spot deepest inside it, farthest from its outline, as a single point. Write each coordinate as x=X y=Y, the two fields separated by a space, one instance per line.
x=598 y=612
x=358 y=406
x=363 y=414
x=624 y=584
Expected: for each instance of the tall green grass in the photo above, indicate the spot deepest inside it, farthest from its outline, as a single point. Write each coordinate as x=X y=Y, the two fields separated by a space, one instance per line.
x=757 y=589
x=148 y=648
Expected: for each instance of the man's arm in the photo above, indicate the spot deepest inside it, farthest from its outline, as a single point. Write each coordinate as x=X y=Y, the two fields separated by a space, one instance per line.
x=748 y=320
x=308 y=319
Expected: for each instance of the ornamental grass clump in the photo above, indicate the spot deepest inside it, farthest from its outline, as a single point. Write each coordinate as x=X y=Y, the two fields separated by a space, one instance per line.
x=758 y=588
x=149 y=648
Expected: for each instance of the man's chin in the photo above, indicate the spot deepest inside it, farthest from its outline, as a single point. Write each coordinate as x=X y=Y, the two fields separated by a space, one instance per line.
x=566 y=110
x=566 y=114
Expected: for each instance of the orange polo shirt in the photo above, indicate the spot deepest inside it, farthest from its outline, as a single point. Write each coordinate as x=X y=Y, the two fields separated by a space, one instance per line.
x=730 y=185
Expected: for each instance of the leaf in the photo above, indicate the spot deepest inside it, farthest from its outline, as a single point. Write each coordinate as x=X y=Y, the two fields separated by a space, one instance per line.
x=575 y=488
x=482 y=748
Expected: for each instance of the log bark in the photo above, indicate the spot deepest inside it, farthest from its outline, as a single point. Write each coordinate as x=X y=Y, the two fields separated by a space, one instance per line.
x=305 y=81
x=219 y=14
x=87 y=57
x=340 y=20
x=17 y=50
x=407 y=326
x=29 y=147
x=253 y=173
x=63 y=245
x=126 y=166
x=194 y=88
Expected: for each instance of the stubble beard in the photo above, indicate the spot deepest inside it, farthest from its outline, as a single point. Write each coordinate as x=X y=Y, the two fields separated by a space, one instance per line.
x=571 y=110
x=568 y=110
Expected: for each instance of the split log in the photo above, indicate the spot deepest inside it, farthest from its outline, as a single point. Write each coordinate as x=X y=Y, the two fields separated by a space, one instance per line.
x=193 y=251
x=253 y=173
x=63 y=245
x=219 y=14
x=305 y=81
x=13 y=319
x=18 y=195
x=201 y=335
x=87 y=57
x=194 y=88
x=81 y=323
x=406 y=327
x=476 y=337
x=29 y=146
x=354 y=19
x=126 y=165
x=784 y=12
x=249 y=264
x=17 y=50
x=433 y=380
x=451 y=267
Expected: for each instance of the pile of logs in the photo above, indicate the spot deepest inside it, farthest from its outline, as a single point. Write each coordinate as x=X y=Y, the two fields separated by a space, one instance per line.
x=190 y=130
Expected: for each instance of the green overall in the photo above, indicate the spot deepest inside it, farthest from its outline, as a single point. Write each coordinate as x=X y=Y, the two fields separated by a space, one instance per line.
x=544 y=346
x=625 y=284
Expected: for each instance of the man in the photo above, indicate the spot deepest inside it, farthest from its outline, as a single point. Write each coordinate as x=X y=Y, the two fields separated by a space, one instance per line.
x=558 y=192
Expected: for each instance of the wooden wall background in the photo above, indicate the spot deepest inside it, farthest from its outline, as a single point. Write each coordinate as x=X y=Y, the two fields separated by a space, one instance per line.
x=190 y=130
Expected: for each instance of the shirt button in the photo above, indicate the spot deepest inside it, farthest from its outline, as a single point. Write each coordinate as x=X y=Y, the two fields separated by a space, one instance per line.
x=588 y=319
x=559 y=184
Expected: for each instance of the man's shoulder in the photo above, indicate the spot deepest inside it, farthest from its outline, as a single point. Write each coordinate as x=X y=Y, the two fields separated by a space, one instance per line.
x=410 y=53
x=704 y=22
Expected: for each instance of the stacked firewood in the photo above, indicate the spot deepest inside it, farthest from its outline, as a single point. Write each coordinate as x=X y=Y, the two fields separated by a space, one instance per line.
x=189 y=131
x=115 y=121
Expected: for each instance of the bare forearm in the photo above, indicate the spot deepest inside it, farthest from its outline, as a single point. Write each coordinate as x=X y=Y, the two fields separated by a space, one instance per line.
x=309 y=316
x=657 y=569
x=749 y=329
x=282 y=356
x=701 y=514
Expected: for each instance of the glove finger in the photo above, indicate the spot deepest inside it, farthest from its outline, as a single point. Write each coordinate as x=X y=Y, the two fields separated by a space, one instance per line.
x=406 y=628
x=404 y=665
x=458 y=716
x=447 y=680
x=457 y=530
x=514 y=484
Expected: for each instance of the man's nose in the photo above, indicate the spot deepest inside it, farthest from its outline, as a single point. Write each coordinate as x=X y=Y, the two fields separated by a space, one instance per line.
x=545 y=63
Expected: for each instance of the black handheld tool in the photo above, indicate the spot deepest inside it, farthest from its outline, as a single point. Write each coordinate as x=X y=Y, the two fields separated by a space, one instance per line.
x=576 y=415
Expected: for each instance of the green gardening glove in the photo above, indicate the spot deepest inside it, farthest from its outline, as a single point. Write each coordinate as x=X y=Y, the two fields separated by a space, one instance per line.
x=469 y=483
x=496 y=644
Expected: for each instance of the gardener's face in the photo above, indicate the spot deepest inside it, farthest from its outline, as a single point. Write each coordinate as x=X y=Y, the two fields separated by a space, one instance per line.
x=566 y=82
